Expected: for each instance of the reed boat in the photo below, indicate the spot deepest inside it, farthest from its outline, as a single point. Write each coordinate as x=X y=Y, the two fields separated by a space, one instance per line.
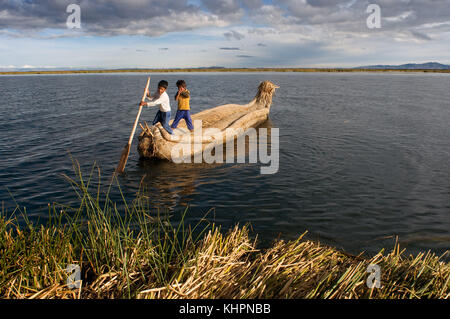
x=156 y=142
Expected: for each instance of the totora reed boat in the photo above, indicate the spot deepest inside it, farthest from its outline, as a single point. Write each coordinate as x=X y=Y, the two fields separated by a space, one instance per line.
x=215 y=125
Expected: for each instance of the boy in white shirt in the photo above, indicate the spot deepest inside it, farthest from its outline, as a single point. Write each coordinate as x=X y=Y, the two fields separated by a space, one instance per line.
x=161 y=99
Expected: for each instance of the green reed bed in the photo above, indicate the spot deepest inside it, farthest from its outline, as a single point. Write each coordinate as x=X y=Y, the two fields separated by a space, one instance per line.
x=134 y=253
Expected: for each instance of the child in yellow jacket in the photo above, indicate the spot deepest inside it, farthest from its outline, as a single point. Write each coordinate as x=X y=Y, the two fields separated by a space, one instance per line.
x=183 y=97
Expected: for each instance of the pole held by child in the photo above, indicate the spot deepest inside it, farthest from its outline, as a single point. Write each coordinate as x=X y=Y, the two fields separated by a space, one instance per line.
x=126 y=151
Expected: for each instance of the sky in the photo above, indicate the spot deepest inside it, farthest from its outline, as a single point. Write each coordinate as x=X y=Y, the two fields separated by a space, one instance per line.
x=227 y=33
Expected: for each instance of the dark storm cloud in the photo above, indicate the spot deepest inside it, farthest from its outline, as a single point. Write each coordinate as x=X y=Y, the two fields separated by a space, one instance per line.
x=52 y=13
x=155 y=17
x=348 y=15
x=107 y=17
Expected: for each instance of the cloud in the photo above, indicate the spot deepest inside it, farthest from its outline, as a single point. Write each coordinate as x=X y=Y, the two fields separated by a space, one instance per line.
x=230 y=35
x=343 y=24
x=350 y=15
x=229 y=8
x=284 y=32
x=156 y=18
x=421 y=36
x=261 y=31
x=325 y=3
x=252 y=4
x=108 y=17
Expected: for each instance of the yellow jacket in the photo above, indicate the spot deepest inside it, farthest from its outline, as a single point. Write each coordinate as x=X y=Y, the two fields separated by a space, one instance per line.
x=184 y=101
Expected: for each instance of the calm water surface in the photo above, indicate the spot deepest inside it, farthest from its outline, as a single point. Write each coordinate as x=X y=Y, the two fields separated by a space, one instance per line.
x=363 y=157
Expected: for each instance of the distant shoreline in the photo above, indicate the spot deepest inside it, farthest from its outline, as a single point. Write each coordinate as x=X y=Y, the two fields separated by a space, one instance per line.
x=192 y=70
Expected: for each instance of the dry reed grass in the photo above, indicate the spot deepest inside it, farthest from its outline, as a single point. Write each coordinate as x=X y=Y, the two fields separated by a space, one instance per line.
x=128 y=254
x=218 y=266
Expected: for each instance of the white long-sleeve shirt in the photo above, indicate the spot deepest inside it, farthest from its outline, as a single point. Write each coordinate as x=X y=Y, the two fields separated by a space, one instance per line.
x=162 y=101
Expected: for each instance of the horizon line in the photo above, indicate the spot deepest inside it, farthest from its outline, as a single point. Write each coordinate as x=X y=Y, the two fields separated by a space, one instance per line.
x=223 y=69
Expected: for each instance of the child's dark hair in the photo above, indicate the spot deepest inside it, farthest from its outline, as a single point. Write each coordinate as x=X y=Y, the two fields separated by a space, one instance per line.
x=181 y=83
x=163 y=84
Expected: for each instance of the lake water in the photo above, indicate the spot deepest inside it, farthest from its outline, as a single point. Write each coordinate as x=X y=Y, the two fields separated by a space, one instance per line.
x=364 y=157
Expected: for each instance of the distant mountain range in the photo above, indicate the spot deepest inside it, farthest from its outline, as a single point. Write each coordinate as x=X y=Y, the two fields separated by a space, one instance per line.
x=409 y=66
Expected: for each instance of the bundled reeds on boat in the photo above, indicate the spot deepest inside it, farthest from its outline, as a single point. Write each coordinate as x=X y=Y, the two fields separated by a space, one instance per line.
x=156 y=142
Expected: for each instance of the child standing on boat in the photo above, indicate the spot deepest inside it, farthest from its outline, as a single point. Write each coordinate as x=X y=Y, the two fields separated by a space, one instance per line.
x=183 y=97
x=161 y=99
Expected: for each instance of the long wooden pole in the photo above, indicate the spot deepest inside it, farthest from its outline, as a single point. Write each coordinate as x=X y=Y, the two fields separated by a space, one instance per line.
x=126 y=151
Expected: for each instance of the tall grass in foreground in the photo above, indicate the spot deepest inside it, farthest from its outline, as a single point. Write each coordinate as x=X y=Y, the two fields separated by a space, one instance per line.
x=128 y=253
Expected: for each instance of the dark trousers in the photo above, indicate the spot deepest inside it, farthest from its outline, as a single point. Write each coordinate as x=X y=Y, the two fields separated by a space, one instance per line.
x=163 y=118
x=183 y=115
